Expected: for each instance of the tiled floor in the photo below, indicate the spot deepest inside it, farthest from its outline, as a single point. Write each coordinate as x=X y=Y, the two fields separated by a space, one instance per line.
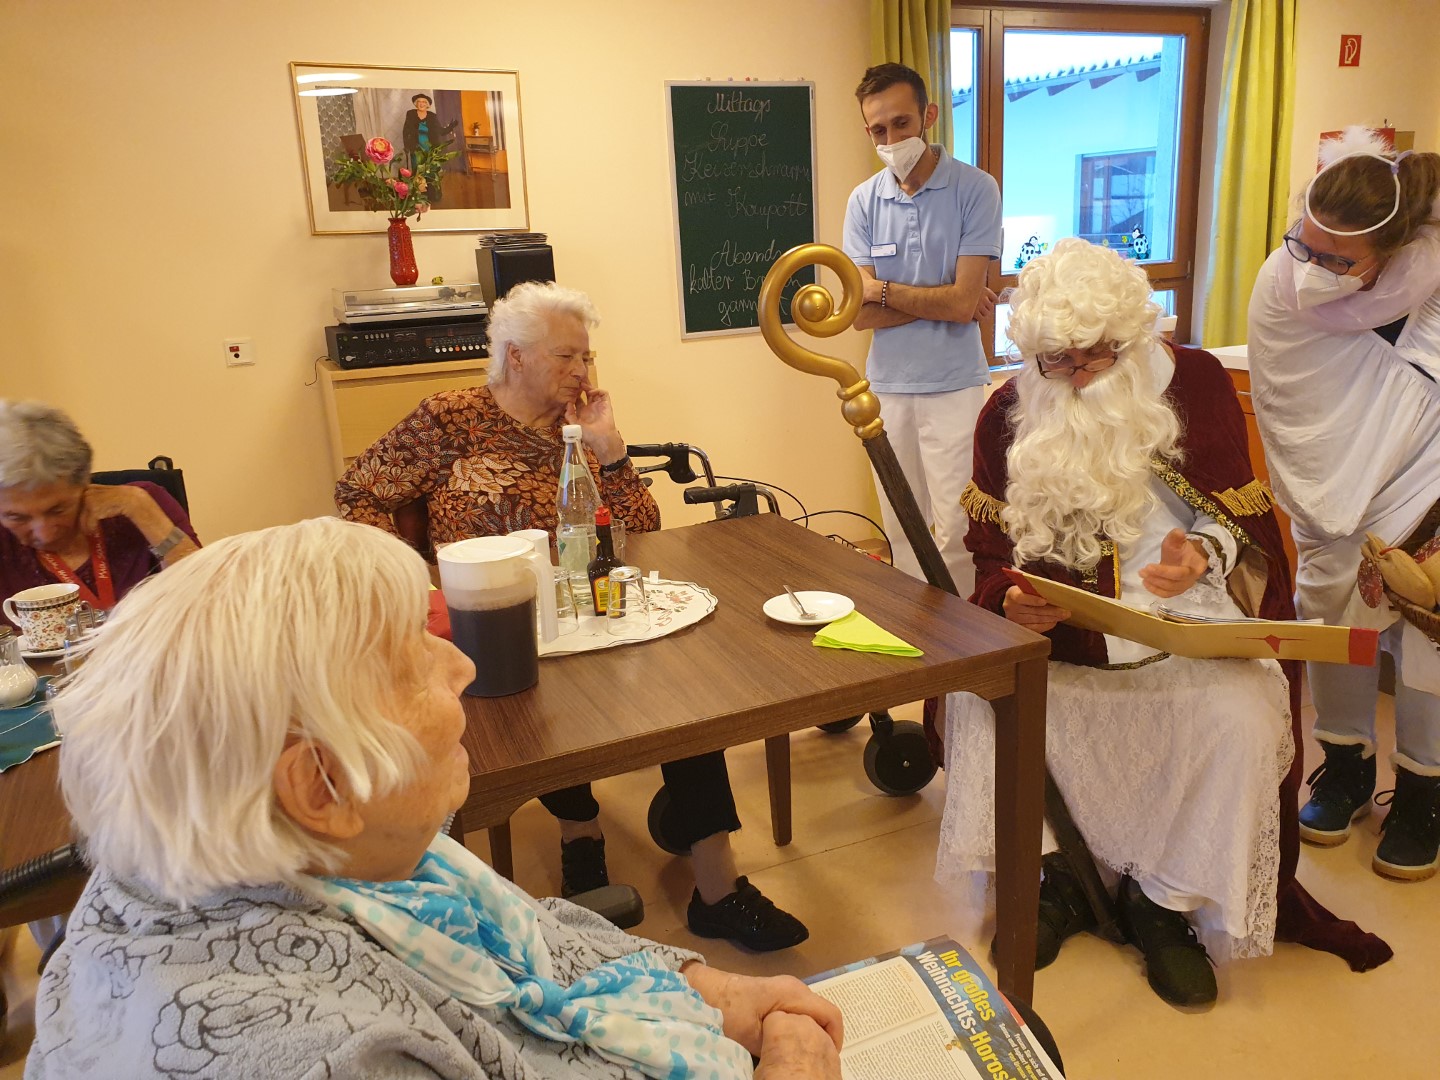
x=859 y=872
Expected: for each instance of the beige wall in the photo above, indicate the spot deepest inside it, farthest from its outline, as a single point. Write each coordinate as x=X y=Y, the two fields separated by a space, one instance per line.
x=1398 y=78
x=161 y=210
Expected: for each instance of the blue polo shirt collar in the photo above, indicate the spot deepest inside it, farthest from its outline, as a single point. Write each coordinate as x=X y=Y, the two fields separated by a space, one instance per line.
x=940 y=178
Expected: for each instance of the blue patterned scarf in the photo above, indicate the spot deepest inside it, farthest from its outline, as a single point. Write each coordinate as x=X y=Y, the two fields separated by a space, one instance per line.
x=477 y=936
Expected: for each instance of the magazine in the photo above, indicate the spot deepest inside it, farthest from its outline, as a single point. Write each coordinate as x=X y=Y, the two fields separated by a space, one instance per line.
x=929 y=1012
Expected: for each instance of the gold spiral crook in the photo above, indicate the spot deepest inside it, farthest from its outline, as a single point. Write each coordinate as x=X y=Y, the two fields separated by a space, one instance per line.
x=813 y=309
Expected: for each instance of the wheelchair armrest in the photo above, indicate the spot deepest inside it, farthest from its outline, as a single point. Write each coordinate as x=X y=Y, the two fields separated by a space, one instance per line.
x=621 y=904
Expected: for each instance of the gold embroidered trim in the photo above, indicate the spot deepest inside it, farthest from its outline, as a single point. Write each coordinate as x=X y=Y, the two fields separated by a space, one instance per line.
x=1090 y=577
x=1251 y=500
x=980 y=506
x=1135 y=663
x=1198 y=499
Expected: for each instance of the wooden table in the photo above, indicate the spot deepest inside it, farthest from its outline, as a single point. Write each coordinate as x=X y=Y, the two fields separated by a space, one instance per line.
x=738 y=676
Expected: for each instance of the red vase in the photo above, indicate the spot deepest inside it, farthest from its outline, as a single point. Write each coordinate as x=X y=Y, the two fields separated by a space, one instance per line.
x=402 y=254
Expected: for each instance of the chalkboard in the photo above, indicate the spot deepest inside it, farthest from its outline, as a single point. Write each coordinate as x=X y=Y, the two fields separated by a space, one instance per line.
x=743 y=165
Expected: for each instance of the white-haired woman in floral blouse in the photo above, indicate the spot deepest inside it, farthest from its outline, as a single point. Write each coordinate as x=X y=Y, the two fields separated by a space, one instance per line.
x=260 y=751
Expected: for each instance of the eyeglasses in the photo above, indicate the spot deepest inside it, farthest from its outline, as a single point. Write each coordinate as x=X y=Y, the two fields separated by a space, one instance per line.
x=1060 y=366
x=1300 y=251
x=587 y=357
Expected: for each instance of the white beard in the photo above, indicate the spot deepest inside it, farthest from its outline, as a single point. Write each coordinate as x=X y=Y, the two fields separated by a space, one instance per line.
x=1080 y=463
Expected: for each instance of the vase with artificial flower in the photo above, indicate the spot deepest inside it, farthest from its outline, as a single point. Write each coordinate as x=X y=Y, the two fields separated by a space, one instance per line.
x=399 y=188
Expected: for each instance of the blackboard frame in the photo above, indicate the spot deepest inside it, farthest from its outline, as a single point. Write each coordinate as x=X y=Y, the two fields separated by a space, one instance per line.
x=687 y=334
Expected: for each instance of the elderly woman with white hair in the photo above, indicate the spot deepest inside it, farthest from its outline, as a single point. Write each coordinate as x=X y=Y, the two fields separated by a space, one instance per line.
x=1117 y=464
x=260 y=752
x=486 y=461
x=59 y=527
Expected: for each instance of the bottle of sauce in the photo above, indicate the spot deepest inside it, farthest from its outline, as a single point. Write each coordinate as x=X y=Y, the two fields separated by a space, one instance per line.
x=603 y=563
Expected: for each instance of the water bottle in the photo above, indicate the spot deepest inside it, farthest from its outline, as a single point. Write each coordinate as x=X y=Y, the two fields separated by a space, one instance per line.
x=575 y=504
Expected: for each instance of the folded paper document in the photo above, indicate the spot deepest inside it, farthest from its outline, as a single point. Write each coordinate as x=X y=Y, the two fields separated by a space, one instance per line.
x=1182 y=635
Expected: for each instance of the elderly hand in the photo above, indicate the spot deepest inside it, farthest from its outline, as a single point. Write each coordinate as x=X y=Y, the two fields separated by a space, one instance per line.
x=103 y=501
x=1182 y=562
x=596 y=418
x=745 y=1002
x=796 y=1048
x=1031 y=611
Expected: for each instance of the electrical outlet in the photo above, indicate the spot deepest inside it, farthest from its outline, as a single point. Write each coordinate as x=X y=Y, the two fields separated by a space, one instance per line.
x=238 y=352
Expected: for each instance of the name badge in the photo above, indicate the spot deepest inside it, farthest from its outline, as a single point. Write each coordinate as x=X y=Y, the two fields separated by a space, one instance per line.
x=880 y=250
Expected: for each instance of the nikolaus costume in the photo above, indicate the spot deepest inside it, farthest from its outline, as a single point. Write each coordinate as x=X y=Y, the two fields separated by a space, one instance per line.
x=1179 y=772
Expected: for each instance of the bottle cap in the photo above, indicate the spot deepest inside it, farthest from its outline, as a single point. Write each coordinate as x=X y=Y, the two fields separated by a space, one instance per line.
x=572 y=432
x=602 y=516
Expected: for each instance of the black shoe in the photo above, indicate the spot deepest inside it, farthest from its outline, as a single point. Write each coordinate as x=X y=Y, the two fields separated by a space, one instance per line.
x=582 y=866
x=1064 y=911
x=747 y=918
x=1176 y=964
x=1410 y=847
x=1340 y=790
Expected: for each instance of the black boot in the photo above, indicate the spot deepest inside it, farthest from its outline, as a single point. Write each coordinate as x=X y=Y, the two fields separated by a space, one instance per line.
x=1064 y=911
x=1176 y=964
x=1340 y=790
x=1410 y=847
x=582 y=866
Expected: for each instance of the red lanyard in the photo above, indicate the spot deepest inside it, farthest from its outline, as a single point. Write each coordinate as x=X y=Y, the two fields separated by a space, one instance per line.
x=99 y=565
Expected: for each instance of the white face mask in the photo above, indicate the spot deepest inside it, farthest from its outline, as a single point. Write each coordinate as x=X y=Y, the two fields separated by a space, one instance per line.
x=1315 y=285
x=903 y=156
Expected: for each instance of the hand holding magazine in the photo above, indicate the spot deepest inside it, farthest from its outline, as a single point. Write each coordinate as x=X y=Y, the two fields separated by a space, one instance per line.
x=1203 y=638
x=929 y=1012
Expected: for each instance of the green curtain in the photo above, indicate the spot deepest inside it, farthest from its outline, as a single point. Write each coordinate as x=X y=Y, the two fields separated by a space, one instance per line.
x=916 y=33
x=1252 y=174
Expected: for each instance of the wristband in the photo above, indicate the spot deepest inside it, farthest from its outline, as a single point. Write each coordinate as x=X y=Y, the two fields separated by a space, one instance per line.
x=616 y=465
x=884 y=291
x=172 y=540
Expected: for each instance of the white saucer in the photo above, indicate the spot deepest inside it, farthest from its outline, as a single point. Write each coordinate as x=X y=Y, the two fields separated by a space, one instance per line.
x=39 y=654
x=825 y=606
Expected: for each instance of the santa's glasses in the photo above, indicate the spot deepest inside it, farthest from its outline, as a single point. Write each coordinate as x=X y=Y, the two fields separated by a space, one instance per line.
x=1063 y=365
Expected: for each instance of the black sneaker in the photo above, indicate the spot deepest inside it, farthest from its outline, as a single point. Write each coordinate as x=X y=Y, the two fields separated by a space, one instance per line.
x=1064 y=911
x=746 y=918
x=582 y=866
x=1410 y=847
x=1176 y=964
x=1340 y=790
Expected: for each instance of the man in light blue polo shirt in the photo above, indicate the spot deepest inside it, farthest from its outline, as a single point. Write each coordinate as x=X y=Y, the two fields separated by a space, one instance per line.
x=923 y=231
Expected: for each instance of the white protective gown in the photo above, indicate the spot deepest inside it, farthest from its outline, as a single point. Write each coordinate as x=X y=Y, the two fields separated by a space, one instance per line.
x=1351 y=429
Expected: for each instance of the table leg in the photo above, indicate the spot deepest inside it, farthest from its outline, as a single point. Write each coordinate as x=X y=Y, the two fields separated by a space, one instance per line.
x=1019 y=813
x=502 y=860
x=777 y=771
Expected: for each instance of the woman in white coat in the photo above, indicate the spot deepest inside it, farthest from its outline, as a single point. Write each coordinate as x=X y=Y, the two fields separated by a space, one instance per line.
x=1344 y=351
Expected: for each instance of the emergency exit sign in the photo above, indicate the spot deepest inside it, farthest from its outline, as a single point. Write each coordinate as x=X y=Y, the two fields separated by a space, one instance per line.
x=1349 y=50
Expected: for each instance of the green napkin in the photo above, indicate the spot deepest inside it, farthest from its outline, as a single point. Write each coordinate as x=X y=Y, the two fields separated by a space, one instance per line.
x=26 y=729
x=855 y=631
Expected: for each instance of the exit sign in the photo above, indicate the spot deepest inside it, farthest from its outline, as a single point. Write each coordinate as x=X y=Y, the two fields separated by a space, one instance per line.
x=1349 y=50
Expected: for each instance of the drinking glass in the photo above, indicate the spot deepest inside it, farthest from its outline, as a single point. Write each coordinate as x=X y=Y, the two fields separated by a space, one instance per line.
x=566 y=619
x=617 y=538
x=628 y=613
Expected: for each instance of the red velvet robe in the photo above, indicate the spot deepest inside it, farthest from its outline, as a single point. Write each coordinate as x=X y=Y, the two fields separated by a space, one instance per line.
x=1215 y=477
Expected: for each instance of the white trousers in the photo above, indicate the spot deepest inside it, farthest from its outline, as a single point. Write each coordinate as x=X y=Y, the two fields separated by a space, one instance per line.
x=933 y=436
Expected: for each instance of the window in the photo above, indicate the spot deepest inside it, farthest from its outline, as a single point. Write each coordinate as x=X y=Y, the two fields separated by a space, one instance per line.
x=1090 y=122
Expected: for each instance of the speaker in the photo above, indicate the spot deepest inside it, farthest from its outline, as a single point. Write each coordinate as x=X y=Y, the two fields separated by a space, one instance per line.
x=500 y=269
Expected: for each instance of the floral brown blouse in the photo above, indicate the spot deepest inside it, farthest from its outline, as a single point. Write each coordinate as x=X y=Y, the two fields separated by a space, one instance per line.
x=480 y=471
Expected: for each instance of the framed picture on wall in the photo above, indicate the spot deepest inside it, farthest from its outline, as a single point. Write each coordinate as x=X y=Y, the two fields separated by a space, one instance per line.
x=340 y=107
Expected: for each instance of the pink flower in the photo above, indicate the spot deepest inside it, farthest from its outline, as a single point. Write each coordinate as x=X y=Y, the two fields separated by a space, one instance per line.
x=406 y=173
x=402 y=189
x=379 y=150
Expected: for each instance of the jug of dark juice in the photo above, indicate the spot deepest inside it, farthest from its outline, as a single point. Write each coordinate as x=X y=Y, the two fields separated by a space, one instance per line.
x=492 y=585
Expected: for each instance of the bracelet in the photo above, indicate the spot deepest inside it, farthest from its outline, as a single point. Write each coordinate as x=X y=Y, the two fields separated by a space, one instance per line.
x=172 y=540
x=616 y=465
x=884 y=291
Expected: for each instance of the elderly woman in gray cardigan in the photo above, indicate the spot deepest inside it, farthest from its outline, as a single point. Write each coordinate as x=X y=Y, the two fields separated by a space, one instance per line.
x=261 y=750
